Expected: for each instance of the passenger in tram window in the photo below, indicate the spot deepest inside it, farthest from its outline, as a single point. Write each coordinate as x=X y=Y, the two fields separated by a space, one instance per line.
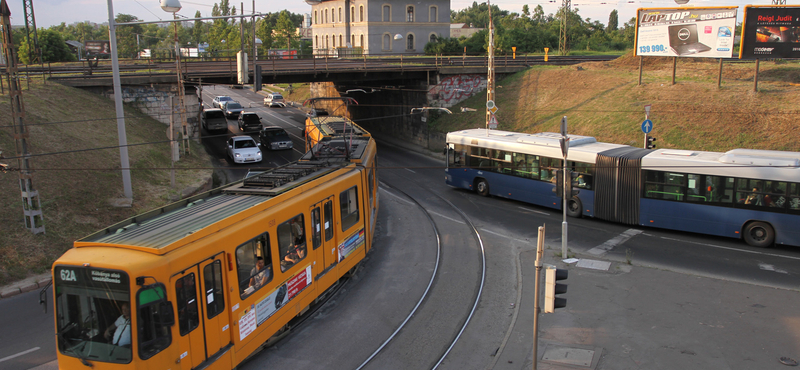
x=119 y=333
x=297 y=253
x=260 y=274
x=297 y=229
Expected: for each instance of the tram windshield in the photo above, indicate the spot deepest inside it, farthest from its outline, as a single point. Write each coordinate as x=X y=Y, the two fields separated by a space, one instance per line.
x=93 y=314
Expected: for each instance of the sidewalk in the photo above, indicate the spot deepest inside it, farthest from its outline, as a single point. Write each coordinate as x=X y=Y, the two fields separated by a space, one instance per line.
x=25 y=285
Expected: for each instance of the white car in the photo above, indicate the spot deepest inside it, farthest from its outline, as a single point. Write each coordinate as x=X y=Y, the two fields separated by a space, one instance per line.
x=274 y=100
x=219 y=101
x=243 y=149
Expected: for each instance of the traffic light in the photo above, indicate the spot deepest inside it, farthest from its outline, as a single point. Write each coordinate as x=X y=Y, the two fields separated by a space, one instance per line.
x=257 y=79
x=573 y=180
x=551 y=302
x=559 y=188
x=650 y=142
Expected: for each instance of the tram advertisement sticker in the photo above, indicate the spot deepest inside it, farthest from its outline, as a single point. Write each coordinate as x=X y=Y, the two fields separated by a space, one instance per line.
x=351 y=244
x=267 y=306
x=247 y=324
x=686 y=32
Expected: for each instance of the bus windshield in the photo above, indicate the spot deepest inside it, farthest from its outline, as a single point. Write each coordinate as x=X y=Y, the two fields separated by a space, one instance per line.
x=93 y=314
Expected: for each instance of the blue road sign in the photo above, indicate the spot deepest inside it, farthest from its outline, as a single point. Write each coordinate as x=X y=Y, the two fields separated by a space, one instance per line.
x=647 y=126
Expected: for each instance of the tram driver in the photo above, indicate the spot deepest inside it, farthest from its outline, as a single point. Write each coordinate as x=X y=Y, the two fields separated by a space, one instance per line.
x=121 y=328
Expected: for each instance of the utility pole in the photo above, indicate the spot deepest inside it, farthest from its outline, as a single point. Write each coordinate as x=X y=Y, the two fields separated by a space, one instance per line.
x=566 y=6
x=34 y=51
x=31 y=205
x=181 y=91
x=490 y=72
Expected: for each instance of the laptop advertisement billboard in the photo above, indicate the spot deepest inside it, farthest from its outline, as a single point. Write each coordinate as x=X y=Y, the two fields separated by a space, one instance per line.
x=770 y=32
x=685 y=32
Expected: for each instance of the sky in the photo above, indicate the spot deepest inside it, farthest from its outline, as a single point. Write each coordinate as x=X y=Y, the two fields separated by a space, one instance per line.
x=53 y=12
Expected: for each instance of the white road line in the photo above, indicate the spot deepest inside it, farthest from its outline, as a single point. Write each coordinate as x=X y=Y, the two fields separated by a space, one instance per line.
x=406 y=201
x=19 y=354
x=534 y=211
x=409 y=170
x=769 y=267
x=611 y=243
x=733 y=249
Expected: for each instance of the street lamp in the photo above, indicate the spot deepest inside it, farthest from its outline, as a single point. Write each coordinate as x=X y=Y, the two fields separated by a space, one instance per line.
x=123 y=140
x=173 y=6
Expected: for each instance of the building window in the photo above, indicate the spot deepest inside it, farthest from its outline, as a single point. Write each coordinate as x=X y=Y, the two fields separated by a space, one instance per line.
x=352 y=40
x=387 y=42
x=433 y=37
x=352 y=14
x=341 y=43
x=410 y=45
x=326 y=15
x=362 y=41
x=433 y=14
x=340 y=15
x=361 y=13
x=387 y=13
x=410 y=14
x=316 y=20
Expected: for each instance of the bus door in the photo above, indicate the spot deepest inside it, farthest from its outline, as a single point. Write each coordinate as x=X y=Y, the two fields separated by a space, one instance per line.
x=323 y=232
x=203 y=326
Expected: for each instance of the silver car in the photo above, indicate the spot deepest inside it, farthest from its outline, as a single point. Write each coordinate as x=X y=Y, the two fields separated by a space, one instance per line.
x=243 y=149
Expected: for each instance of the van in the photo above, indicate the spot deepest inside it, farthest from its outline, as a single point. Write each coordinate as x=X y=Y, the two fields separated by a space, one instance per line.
x=213 y=120
x=274 y=99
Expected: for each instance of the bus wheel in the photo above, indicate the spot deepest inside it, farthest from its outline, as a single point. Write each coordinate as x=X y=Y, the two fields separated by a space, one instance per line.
x=759 y=234
x=482 y=187
x=574 y=207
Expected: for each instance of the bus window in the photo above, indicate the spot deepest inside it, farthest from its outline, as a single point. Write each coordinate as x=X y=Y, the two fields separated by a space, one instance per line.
x=694 y=189
x=548 y=168
x=750 y=192
x=186 y=292
x=584 y=178
x=292 y=241
x=501 y=161
x=664 y=185
x=521 y=167
x=154 y=325
x=348 y=205
x=794 y=197
x=254 y=265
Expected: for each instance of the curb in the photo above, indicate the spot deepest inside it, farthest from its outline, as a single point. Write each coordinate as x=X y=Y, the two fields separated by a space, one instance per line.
x=25 y=286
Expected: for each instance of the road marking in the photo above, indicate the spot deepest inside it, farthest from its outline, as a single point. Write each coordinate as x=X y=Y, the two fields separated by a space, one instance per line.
x=769 y=267
x=402 y=199
x=610 y=244
x=732 y=249
x=409 y=170
x=534 y=211
x=19 y=354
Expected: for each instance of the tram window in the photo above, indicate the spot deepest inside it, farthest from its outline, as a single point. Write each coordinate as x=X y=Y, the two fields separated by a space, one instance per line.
x=292 y=241
x=348 y=205
x=316 y=232
x=154 y=332
x=254 y=265
x=327 y=210
x=186 y=292
x=371 y=188
x=214 y=293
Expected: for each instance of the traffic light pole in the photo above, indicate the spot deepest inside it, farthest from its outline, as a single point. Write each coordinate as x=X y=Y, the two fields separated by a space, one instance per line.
x=539 y=252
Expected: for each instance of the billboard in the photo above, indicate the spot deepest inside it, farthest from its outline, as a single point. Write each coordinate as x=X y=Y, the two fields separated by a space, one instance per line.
x=98 y=48
x=685 y=32
x=770 y=32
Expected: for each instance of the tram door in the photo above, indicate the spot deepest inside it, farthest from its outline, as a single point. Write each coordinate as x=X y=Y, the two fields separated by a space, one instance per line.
x=203 y=326
x=323 y=231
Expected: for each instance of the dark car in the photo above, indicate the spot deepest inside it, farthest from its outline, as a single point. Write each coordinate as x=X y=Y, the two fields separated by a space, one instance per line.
x=249 y=122
x=232 y=109
x=274 y=138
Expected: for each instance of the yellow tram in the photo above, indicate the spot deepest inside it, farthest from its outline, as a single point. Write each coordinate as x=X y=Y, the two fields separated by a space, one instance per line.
x=204 y=282
x=321 y=124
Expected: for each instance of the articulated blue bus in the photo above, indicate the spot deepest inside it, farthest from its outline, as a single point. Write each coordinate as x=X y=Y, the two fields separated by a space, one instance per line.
x=748 y=194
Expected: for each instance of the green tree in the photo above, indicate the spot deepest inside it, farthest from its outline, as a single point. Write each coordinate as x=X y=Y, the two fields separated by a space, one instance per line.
x=126 y=36
x=285 y=33
x=613 y=21
x=52 y=46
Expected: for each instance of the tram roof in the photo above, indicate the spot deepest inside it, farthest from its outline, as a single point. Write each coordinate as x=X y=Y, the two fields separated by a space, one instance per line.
x=337 y=126
x=159 y=230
